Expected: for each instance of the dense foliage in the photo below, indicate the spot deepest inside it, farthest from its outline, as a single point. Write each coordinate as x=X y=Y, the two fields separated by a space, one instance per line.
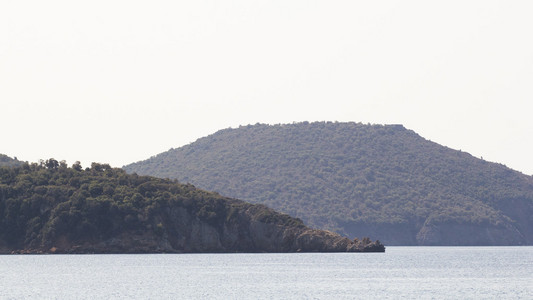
x=355 y=179
x=43 y=204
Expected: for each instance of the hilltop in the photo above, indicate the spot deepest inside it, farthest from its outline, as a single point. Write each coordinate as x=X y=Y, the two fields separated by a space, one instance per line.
x=52 y=208
x=382 y=181
x=6 y=161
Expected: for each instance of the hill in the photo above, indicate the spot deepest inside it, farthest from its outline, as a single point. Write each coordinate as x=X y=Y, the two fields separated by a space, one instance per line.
x=51 y=208
x=360 y=180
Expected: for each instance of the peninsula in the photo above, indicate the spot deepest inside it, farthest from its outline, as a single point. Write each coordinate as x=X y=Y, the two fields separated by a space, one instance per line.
x=52 y=208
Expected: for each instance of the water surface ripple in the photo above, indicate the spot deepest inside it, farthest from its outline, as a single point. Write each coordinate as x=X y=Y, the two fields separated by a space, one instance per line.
x=400 y=273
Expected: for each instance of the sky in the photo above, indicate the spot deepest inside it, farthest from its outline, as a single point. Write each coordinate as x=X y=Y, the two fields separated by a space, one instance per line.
x=119 y=81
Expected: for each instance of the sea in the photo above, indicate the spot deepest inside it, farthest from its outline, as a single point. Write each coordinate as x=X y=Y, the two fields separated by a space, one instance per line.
x=399 y=273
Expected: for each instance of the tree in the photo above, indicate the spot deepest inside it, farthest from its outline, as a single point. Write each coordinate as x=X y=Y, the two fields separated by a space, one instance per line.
x=77 y=166
x=51 y=164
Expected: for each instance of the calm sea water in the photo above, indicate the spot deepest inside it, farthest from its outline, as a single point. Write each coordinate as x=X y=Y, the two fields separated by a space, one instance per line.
x=401 y=272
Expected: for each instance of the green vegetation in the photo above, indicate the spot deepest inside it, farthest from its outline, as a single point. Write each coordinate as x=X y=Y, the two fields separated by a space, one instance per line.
x=49 y=207
x=359 y=180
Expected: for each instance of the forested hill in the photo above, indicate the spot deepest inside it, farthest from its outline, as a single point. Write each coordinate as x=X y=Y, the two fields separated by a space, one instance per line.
x=51 y=208
x=386 y=182
x=6 y=161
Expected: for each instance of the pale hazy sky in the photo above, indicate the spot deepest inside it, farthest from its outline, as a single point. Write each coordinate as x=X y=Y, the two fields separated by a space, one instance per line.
x=120 y=81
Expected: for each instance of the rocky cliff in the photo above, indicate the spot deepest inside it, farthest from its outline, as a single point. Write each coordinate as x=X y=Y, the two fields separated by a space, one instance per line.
x=186 y=233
